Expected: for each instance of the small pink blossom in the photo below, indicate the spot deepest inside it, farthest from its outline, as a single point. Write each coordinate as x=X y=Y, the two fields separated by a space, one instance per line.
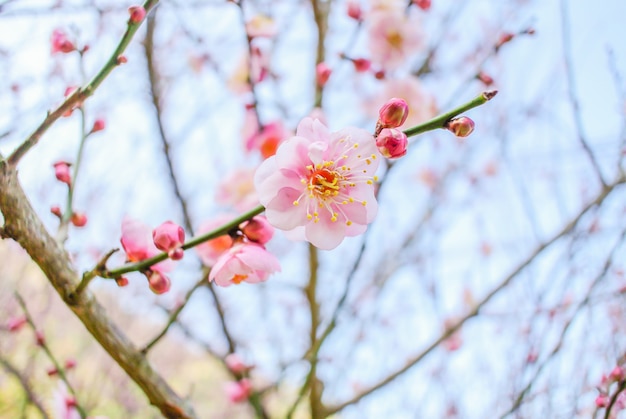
x=353 y=10
x=137 y=14
x=238 y=391
x=423 y=4
x=617 y=374
x=211 y=250
x=392 y=143
x=267 y=139
x=420 y=102
x=60 y=42
x=244 y=262
x=322 y=74
x=237 y=190
x=62 y=172
x=393 y=38
x=258 y=230
x=393 y=113
x=461 y=126
x=320 y=185
x=602 y=400
x=361 y=65
x=169 y=237
x=138 y=243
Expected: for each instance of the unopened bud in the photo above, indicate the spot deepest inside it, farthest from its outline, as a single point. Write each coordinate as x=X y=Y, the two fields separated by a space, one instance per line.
x=62 y=172
x=56 y=210
x=602 y=400
x=79 y=219
x=392 y=143
x=16 y=323
x=361 y=65
x=235 y=364
x=70 y=363
x=617 y=374
x=354 y=10
x=137 y=14
x=485 y=78
x=169 y=237
x=393 y=113
x=176 y=254
x=121 y=59
x=422 y=4
x=121 y=281
x=322 y=73
x=461 y=126
x=98 y=125
x=258 y=230
x=158 y=282
x=39 y=338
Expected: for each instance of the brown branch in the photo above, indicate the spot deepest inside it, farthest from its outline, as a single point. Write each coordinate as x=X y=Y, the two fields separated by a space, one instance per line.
x=479 y=305
x=24 y=226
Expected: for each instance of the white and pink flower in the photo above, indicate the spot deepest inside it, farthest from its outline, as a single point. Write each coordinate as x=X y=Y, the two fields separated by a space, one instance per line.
x=244 y=262
x=393 y=38
x=320 y=185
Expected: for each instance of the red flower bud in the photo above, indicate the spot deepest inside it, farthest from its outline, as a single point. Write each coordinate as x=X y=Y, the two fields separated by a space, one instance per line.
x=361 y=65
x=137 y=14
x=422 y=4
x=485 y=78
x=122 y=281
x=62 y=172
x=16 y=323
x=98 y=125
x=60 y=42
x=392 y=143
x=56 y=210
x=322 y=72
x=461 y=126
x=393 y=113
x=354 y=10
x=79 y=219
x=121 y=59
x=39 y=338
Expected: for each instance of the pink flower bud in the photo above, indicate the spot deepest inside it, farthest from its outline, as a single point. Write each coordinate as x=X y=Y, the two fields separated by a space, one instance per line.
x=62 y=172
x=79 y=219
x=122 y=281
x=52 y=371
x=235 y=364
x=60 y=42
x=422 y=4
x=238 y=391
x=158 y=282
x=461 y=126
x=258 y=230
x=70 y=363
x=380 y=74
x=16 y=323
x=98 y=125
x=56 y=210
x=617 y=374
x=361 y=65
x=121 y=59
x=176 y=254
x=137 y=13
x=40 y=340
x=392 y=143
x=354 y=10
x=602 y=400
x=393 y=113
x=504 y=38
x=168 y=237
x=323 y=73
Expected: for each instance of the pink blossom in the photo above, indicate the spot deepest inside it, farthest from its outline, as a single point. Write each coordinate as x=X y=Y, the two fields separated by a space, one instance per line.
x=267 y=139
x=320 y=185
x=238 y=391
x=138 y=243
x=60 y=42
x=393 y=38
x=392 y=143
x=235 y=364
x=16 y=323
x=244 y=262
x=98 y=125
x=602 y=400
x=237 y=190
x=62 y=172
x=211 y=250
x=169 y=237
x=258 y=230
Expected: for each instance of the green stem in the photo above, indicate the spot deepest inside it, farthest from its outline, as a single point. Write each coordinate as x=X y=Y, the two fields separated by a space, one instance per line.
x=145 y=264
x=441 y=120
x=80 y=95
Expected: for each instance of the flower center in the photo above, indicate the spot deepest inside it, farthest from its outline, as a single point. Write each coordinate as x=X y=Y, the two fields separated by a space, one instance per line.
x=238 y=279
x=324 y=182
